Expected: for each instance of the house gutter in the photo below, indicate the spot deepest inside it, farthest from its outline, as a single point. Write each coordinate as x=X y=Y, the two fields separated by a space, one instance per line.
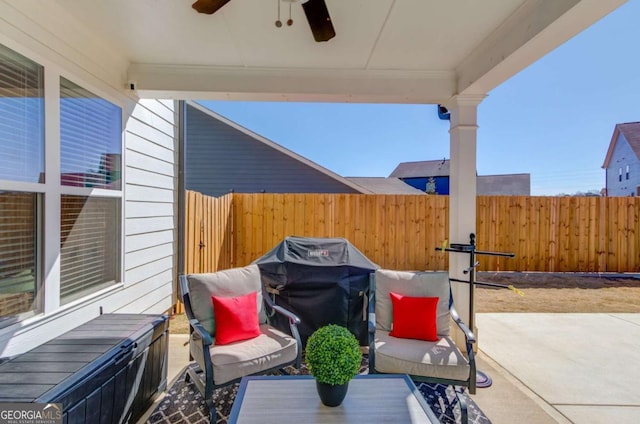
x=181 y=191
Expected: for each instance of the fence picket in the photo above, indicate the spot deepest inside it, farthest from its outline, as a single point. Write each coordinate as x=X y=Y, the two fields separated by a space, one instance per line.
x=546 y=233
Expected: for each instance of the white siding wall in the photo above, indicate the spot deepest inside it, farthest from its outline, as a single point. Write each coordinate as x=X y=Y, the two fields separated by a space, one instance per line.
x=149 y=197
x=622 y=156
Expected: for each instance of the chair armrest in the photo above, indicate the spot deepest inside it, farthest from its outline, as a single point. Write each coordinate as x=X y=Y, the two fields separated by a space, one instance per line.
x=293 y=319
x=293 y=325
x=204 y=334
x=470 y=340
x=372 y=323
x=371 y=307
x=468 y=334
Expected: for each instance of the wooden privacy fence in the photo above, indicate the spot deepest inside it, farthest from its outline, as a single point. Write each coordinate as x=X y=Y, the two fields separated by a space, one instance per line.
x=570 y=234
x=565 y=234
x=208 y=238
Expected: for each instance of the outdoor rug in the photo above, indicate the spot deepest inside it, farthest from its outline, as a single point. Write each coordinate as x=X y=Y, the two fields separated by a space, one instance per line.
x=184 y=404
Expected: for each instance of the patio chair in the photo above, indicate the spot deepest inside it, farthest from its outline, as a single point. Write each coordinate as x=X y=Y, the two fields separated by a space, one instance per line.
x=436 y=361
x=223 y=364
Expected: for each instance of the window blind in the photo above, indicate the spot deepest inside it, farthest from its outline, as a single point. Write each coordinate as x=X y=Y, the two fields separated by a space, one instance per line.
x=21 y=118
x=90 y=156
x=90 y=245
x=90 y=139
x=17 y=252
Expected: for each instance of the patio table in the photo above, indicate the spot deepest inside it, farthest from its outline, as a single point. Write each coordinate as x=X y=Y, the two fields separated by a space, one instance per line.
x=377 y=398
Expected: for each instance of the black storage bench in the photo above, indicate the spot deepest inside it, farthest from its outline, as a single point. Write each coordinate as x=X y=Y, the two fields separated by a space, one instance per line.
x=108 y=370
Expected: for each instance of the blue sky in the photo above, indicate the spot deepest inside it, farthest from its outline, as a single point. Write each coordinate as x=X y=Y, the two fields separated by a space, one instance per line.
x=553 y=120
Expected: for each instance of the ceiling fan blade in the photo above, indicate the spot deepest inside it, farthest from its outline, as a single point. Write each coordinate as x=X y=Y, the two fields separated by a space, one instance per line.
x=319 y=20
x=209 y=6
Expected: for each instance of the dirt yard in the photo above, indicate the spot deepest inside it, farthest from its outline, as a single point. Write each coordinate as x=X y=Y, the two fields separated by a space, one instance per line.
x=543 y=292
x=559 y=292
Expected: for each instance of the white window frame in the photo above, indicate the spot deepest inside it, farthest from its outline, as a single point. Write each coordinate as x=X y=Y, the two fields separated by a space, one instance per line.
x=48 y=260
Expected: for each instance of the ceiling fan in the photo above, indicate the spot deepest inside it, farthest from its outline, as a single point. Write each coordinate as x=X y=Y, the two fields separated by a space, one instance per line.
x=315 y=10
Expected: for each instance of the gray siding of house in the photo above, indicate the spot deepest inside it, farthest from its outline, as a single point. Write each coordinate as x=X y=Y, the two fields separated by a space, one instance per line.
x=622 y=156
x=219 y=159
x=504 y=185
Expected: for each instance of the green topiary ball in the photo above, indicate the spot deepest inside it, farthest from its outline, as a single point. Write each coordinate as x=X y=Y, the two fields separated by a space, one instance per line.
x=333 y=355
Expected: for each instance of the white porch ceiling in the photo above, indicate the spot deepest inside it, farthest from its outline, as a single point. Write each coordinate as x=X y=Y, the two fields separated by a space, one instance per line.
x=372 y=34
x=405 y=51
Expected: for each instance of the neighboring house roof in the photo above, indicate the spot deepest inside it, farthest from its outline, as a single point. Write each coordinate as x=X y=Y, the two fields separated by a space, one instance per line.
x=300 y=161
x=631 y=132
x=504 y=185
x=425 y=168
x=383 y=185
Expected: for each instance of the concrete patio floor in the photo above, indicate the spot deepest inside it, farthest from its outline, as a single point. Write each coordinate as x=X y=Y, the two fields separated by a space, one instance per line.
x=546 y=368
x=581 y=368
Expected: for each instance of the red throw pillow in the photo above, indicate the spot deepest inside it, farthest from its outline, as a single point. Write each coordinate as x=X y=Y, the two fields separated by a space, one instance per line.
x=236 y=318
x=414 y=317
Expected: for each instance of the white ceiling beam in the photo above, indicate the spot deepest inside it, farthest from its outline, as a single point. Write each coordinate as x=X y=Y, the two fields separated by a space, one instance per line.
x=536 y=28
x=305 y=85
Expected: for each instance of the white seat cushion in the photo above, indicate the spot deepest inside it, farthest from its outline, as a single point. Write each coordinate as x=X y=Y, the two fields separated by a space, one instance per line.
x=270 y=349
x=441 y=359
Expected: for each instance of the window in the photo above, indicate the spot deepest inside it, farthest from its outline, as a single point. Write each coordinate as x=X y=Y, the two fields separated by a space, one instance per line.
x=21 y=118
x=90 y=156
x=90 y=141
x=81 y=200
x=620 y=174
x=18 y=253
x=627 y=173
x=21 y=161
x=89 y=245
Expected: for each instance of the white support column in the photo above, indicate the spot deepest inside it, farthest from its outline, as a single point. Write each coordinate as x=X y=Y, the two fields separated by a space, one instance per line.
x=462 y=194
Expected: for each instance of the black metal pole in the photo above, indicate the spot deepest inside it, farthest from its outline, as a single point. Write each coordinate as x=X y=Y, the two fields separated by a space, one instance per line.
x=482 y=379
x=481 y=283
x=466 y=249
x=508 y=255
x=472 y=276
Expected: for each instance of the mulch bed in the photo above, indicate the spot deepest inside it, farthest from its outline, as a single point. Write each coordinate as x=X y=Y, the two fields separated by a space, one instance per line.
x=560 y=280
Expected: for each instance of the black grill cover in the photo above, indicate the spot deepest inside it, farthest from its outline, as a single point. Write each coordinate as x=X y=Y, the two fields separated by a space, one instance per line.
x=321 y=280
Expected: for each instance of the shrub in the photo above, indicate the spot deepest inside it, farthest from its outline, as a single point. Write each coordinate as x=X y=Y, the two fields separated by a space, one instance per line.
x=333 y=355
